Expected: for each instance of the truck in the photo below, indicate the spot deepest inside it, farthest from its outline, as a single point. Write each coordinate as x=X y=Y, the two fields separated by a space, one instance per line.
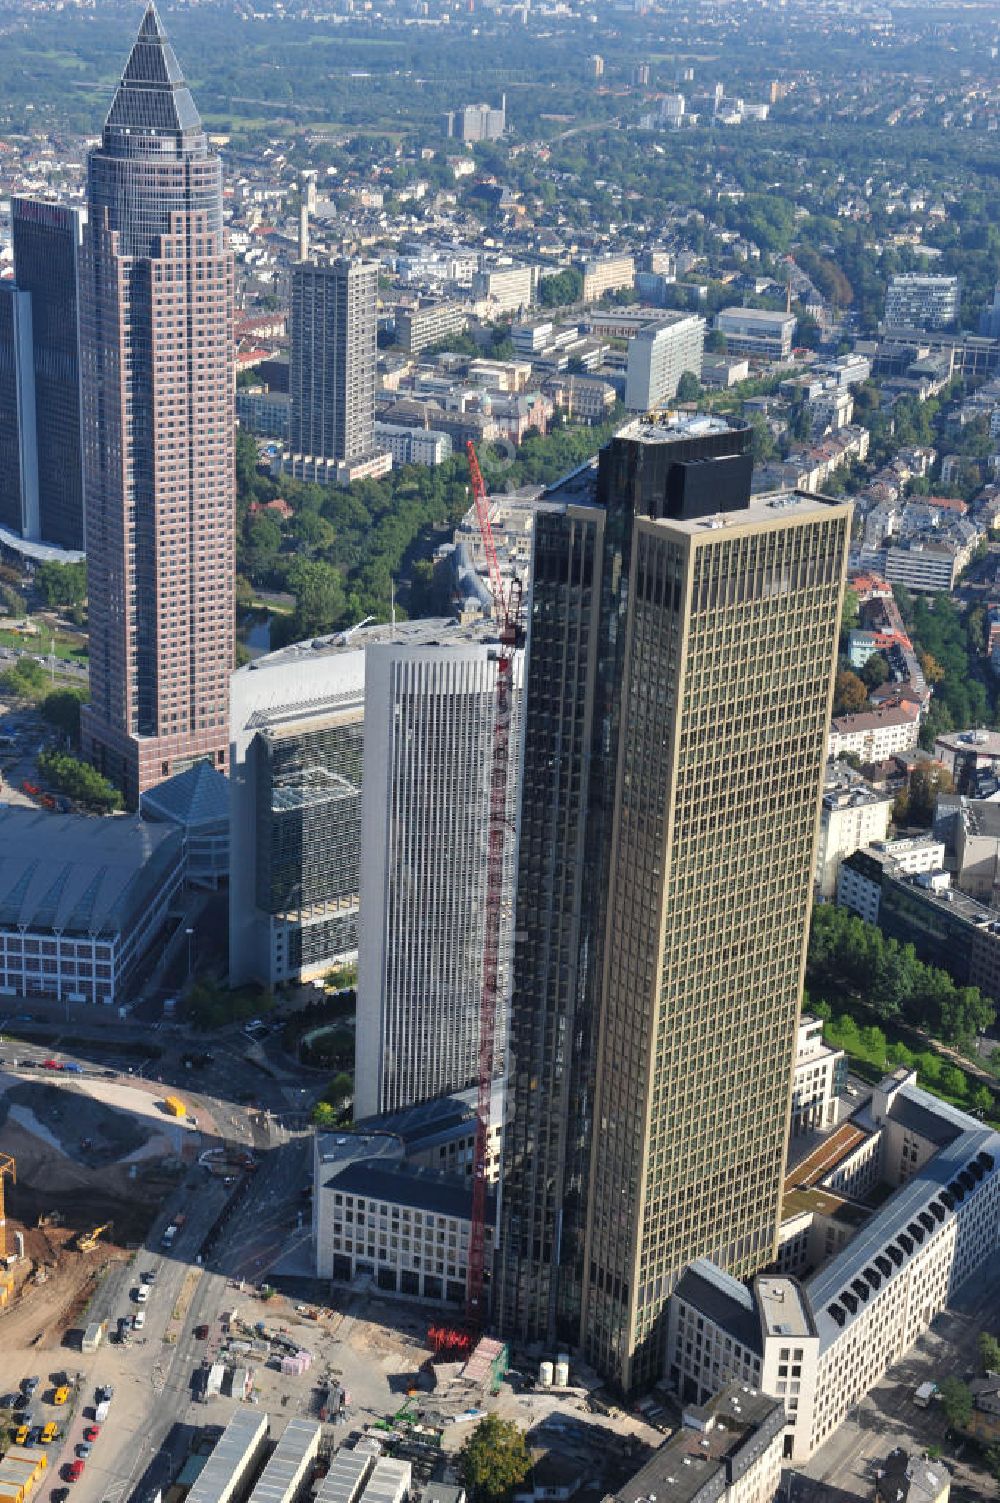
x=174 y=1106
x=92 y=1336
x=923 y=1395
x=102 y=1411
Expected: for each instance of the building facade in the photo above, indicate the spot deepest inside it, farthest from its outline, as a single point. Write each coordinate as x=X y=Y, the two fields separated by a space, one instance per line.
x=430 y=709
x=334 y=327
x=757 y=331
x=657 y=358
x=637 y=568
x=156 y=351
x=707 y=595
x=297 y=729
x=817 y=1080
x=820 y=1344
x=874 y=735
x=606 y=274
x=852 y=814
x=418 y=327
x=41 y=490
x=913 y=301
x=82 y=901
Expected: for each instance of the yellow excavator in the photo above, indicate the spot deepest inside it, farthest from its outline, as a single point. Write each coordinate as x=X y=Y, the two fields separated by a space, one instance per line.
x=87 y=1241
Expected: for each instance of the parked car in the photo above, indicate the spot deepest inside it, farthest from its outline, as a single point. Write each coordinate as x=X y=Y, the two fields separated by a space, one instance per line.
x=29 y=1385
x=75 y=1470
x=84 y=1449
x=61 y=1394
x=92 y=1432
x=51 y=1064
x=138 y=1320
x=201 y=1333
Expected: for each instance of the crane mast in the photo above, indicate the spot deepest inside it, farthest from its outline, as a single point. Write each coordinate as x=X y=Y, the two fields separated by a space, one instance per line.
x=507 y=609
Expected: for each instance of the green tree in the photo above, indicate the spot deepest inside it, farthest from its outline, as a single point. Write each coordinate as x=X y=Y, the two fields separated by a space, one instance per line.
x=850 y=615
x=956 y=1401
x=62 y=584
x=26 y=677
x=339 y=1090
x=61 y=709
x=560 y=290
x=982 y=1100
x=79 y=780
x=494 y=1460
x=875 y=671
x=849 y=693
x=688 y=387
x=989 y=1352
x=319 y=597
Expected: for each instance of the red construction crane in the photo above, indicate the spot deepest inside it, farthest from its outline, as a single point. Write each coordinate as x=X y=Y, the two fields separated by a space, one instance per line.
x=507 y=608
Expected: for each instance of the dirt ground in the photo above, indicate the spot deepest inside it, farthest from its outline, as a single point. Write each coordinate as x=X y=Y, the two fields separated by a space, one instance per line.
x=80 y=1163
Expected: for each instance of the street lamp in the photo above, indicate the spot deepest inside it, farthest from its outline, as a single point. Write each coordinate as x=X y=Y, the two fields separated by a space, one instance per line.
x=190 y=938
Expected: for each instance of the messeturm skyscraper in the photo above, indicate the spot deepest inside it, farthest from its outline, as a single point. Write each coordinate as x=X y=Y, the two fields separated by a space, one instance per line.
x=680 y=670
x=157 y=377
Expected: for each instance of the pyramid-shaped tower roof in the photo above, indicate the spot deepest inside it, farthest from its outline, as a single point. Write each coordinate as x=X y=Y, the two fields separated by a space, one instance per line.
x=152 y=99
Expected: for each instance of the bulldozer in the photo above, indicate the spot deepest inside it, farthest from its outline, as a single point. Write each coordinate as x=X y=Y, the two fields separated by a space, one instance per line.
x=87 y=1241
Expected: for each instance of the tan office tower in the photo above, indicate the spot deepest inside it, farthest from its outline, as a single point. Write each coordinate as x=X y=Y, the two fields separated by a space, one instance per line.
x=157 y=382
x=728 y=666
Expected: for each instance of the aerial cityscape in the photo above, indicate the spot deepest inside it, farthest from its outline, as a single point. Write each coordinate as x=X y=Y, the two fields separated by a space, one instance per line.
x=499 y=751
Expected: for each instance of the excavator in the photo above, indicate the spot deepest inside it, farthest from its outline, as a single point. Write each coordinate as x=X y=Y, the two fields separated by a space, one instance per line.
x=87 y=1241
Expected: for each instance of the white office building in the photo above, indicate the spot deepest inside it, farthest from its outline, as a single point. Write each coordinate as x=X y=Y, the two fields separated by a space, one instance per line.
x=921 y=302
x=820 y=1343
x=658 y=356
x=429 y=713
x=852 y=814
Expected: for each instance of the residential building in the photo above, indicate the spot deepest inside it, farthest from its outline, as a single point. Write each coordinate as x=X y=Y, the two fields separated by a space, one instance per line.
x=757 y=332
x=637 y=569
x=726 y=1451
x=262 y=412
x=817 y=1080
x=381 y=1212
x=297 y=731
x=334 y=325
x=852 y=814
x=928 y=568
x=874 y=735
x=984 y=1421
x=962 y=752
x=478 y=122
x=83 y=901
x=904 y=1478
x=973 y=842
x=914 y=301
x=156 y=361
x=413 y=445
x=658 y=356
x=604 y=274
x=427 y=324
x=820 y=1343
x=584 y=398
x=430 y=712
x=723 y=370
x=947 y=928
x=505 y=289
x=41 y=484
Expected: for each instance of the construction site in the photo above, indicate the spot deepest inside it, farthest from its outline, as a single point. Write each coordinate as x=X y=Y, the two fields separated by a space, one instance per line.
x=84 y=1179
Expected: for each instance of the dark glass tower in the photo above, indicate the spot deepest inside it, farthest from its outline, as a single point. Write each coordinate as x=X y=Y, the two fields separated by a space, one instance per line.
x=157 y=365
x=41 y=485
x=47 y=241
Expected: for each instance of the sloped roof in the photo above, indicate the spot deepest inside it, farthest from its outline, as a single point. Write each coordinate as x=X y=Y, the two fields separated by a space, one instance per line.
x=152 y=98
x=80 y=874
x=198 y=796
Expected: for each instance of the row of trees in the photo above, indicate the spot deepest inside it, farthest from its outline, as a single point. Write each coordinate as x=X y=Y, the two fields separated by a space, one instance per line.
x=869 y=1045
x=851 y=961
x=78 y=780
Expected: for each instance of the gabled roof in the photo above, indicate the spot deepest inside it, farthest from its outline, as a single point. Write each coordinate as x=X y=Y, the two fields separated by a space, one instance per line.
x=152 y=98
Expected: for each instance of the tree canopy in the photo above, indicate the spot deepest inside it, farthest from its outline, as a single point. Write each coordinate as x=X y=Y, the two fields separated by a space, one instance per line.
x=494 y=1460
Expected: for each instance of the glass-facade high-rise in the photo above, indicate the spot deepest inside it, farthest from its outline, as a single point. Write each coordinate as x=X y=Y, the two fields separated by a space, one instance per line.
x=680 y=668
x=157 y=380
x=41 y=483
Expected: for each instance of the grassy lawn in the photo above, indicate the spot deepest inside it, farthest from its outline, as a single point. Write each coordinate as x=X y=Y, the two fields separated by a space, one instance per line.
x=65 y=645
